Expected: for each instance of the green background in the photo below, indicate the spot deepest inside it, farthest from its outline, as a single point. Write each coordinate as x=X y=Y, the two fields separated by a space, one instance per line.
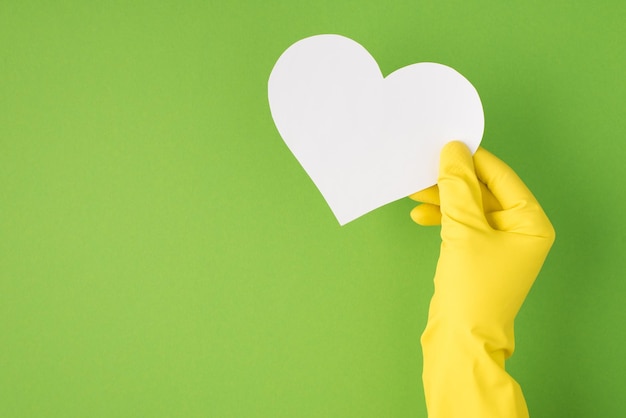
x=162 y=254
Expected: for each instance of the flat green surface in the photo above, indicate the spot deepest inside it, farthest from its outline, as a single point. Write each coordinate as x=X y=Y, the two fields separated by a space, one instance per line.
x=162 y=254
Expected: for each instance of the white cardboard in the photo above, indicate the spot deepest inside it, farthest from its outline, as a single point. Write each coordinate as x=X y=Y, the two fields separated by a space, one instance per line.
x=363 y=139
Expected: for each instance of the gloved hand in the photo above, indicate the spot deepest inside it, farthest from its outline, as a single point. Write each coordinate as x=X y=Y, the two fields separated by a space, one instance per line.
x=495 y=238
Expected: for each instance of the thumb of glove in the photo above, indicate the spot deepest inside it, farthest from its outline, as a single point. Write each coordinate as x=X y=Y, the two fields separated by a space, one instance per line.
x=459 y=189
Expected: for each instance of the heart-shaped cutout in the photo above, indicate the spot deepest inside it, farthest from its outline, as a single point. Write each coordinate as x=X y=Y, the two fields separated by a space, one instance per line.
x=364 y=139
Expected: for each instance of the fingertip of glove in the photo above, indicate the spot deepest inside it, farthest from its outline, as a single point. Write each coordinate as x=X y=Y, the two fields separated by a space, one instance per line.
x=426 y=215
x=455 y=143
x=455 y=160
x=416 y=217
x=428 y=195
x=455 y=148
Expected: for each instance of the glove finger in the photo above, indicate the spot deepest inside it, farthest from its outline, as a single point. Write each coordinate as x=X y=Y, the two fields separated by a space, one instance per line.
x=521 y=211
x=429 y=213
x=428 y=195
x=431 y=195
x=459 y=188
x=426 y=215
x=501 y=180
x=490 y=203
x=513 y=220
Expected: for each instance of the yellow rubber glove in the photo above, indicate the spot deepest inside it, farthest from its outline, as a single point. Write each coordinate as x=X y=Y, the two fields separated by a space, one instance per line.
x=495 y=238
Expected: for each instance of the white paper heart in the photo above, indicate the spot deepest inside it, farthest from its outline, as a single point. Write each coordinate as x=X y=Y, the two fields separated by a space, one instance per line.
x=366 y=140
